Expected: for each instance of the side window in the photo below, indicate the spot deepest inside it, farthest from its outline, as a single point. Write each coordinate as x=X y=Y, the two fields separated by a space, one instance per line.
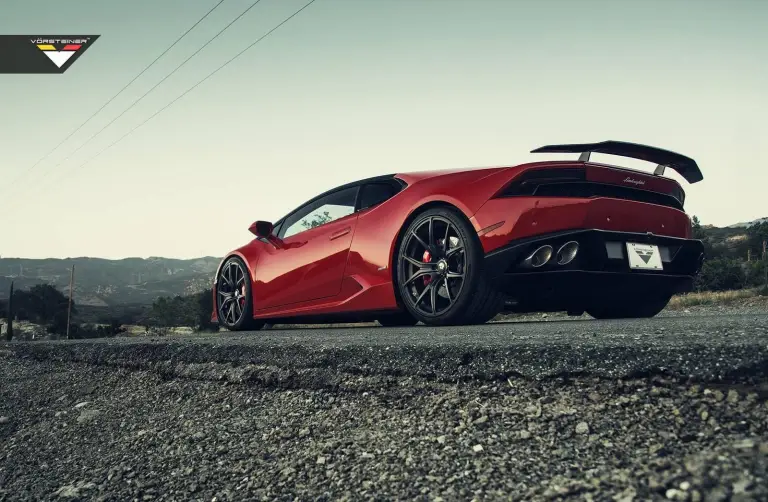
x=374 y=194
x=322 y=211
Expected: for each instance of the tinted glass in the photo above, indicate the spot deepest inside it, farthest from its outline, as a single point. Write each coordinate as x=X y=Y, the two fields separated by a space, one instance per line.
x=322 y=211
x=375 y=193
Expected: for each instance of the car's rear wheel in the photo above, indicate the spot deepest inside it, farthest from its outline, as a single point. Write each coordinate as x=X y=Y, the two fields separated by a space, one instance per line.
x=440 y=271
x=234 y=297
x=634 y=306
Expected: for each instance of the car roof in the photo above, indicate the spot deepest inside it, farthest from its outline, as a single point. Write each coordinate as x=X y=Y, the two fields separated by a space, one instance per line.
x=404 y=178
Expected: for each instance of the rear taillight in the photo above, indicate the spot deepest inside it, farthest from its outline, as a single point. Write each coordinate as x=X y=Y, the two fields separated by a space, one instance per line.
x=528 y=182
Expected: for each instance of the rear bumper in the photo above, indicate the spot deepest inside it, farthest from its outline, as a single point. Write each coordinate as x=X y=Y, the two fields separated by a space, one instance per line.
x=601 y=266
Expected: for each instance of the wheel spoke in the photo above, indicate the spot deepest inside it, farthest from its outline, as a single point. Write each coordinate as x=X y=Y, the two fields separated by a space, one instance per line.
x=455 y=250
x=238 y=309
x=231 y=312
x=423 y=293
x=448 y=291
x=454 y=275
x=417 y=274
x=225 y=278
x=433 y=299
x=234 y=274
x=445 y=241
x=431 y=228
x=421 y=241
x=414 y=261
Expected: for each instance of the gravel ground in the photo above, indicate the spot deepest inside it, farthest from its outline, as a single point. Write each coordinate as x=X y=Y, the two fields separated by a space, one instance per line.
x=662 y=409
x=756 y=305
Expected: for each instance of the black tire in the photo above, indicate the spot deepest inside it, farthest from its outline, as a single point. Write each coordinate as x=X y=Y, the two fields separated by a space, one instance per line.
x=629 y=307
x=460 y=279
x=397 y=320
x=234 y=297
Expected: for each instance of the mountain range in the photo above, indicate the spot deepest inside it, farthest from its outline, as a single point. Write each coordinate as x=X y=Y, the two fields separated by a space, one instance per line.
x=100 y=282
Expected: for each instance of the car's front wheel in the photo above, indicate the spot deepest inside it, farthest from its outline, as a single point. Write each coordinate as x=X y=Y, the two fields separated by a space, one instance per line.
x=440 y=271
x=234 y=297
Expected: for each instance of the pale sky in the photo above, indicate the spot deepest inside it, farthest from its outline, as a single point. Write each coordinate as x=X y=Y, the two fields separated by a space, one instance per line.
x=355 y=88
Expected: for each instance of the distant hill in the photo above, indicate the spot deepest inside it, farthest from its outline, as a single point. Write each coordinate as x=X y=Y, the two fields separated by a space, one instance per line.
x=747 y=224
x=100 y=282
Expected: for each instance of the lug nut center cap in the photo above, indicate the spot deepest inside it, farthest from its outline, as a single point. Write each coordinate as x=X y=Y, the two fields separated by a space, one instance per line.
x=441 y=266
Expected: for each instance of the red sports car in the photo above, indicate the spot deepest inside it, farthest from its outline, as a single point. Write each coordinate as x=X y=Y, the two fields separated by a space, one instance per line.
x=460 y=246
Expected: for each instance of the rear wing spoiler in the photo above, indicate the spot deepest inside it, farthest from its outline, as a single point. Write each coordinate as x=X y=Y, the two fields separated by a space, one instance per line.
x=685 y=166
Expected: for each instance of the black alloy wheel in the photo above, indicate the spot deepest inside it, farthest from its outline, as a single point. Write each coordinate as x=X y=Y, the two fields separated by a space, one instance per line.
x=439 y=271
x=234 y=304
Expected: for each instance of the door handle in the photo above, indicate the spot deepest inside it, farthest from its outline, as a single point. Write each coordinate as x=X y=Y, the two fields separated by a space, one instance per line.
x=340 y=233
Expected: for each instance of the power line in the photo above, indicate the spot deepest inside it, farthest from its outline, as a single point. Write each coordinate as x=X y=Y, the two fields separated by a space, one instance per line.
x=41 y=159
x=233 y=58
x=156 y=85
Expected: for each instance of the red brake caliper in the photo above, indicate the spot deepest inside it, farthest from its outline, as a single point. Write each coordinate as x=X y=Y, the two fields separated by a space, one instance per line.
x=426 y=259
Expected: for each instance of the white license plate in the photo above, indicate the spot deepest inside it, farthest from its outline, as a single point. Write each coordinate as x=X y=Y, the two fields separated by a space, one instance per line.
x=644 y=256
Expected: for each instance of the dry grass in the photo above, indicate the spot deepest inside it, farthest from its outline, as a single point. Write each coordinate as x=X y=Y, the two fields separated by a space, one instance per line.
x=711 y=298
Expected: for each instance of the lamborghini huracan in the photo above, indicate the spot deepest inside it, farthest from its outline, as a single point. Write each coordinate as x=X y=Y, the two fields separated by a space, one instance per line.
x=460 y=246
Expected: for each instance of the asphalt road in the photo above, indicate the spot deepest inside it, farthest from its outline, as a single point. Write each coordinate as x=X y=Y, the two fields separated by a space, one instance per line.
x=662 y=409
x=705 y=348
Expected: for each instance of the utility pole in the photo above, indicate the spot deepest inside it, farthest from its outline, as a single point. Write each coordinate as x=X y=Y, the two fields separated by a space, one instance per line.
x=69 y=307
x=765 y=265
x=749 y=255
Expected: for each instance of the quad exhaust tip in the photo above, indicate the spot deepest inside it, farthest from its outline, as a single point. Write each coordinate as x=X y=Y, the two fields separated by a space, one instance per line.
x=540 y=257
x=567 y=252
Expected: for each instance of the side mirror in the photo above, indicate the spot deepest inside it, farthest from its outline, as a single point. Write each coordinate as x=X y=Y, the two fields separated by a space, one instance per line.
x=261 y=229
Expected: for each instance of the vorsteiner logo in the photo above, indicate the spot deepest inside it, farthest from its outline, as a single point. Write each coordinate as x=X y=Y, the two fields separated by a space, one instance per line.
x=41 y=54
x=634 y=181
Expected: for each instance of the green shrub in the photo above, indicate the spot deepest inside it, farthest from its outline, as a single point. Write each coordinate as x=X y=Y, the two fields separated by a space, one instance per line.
x=721 y=274
x=757 y=273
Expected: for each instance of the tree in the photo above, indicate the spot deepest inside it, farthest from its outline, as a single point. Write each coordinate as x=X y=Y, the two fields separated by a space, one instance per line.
x=193 y=311
x=698 y=231
x=721 y=274
x=204 y=311
x=50 y=307
x=317 y=220
x=757 y=273
x=756 y=234
x=42 y=304
x=167 y=312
